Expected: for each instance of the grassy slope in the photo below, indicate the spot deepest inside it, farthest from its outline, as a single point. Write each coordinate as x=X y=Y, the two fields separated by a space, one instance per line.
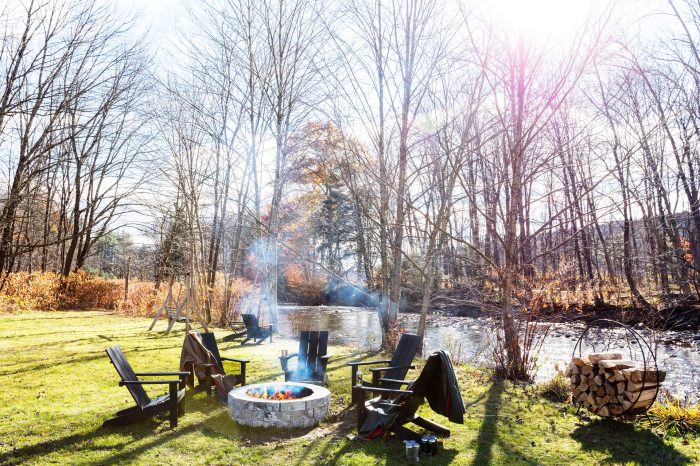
x=58 y=387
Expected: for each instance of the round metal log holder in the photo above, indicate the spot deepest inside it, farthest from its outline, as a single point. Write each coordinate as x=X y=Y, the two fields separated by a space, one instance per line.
x=634 y=343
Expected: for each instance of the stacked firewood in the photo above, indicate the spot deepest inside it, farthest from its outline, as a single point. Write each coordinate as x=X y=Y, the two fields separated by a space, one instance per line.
x=610 y=386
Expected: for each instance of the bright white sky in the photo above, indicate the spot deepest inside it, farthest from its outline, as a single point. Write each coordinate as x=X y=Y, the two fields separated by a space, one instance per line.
x=553 y=20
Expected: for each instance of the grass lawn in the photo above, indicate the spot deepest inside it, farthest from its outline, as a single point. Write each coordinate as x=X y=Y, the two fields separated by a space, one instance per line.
x=57 y=387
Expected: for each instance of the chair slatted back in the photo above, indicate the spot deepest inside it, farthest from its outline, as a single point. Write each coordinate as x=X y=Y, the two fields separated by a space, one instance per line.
x=209 y=342
x=127 y=373
x=312 y=345
x=252 y=326
x=403 y=356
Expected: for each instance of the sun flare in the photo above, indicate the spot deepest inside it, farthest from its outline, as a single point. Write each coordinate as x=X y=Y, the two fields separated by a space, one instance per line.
x=544 y=20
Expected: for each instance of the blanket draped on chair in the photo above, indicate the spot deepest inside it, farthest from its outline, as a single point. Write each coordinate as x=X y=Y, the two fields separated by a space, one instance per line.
x=194 y=354
x=437 y=383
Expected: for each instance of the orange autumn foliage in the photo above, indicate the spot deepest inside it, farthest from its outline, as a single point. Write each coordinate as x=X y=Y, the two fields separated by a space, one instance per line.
x=50 y=292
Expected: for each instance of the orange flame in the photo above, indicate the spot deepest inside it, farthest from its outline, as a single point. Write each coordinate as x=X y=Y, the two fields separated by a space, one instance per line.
x=276 y=395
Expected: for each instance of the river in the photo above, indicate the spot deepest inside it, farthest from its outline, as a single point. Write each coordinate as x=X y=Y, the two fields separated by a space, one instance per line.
x=471 y=340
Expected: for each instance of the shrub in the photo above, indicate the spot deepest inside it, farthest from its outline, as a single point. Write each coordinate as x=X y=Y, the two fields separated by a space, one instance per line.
x=142 y=300
x=557 y=389
x=675 y=416
x=305 y=290
x=82 y=290
x=27 y=291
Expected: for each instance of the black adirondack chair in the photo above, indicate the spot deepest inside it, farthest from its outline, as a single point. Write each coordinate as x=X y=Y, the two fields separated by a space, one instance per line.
x=253 y=331
x=395 y=368
x=437 y=383
x=174 y=401
x=312 y=359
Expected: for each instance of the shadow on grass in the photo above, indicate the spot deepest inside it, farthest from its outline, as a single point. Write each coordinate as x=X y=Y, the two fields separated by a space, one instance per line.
x=488 y=432
x=387 y=448
x=136 y=433
x=623 y=443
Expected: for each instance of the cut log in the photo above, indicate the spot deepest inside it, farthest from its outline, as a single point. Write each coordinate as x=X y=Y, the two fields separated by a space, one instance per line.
x=591 y=399
x=639 y=405
x=616 y=364
x=580 y=361
x=583 y=386
x=621 y=387
x=600 y=391
x=615 y=410
x=635 y=387
x=650 y=375
x=604 y=411
x=575 y=379
x=644 y=395
x=619 y=376
x=611 y=378
x=586 y=370
x=610 y=389
x=599 y=379
x=595 y=357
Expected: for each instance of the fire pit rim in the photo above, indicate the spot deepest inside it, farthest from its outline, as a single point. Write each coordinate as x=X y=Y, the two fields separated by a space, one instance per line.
x=317 y=392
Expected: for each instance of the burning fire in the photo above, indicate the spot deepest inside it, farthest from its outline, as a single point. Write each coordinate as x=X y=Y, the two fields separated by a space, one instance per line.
x=275 y=393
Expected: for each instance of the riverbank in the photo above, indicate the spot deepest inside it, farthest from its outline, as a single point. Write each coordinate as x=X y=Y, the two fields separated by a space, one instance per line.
x=58 y=387
x=681 y=317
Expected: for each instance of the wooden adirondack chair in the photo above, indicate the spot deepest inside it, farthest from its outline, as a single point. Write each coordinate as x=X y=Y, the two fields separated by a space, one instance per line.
x=396 y=368
x=253 y=331
x=436 y=382
x=211 y=368
x=146 y=407
x=311 y=359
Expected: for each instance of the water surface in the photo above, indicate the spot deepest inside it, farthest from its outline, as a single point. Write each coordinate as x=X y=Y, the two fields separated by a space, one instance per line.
x=471 y=340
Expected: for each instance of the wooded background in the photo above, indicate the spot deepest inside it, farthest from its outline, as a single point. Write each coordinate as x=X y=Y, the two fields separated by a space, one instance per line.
x=408 y=148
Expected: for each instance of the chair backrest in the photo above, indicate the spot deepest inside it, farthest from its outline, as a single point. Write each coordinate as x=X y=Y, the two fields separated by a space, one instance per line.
x=209 y=342
x=403 y=356
x=312 y=345
x=127 y=373
x=252 y=325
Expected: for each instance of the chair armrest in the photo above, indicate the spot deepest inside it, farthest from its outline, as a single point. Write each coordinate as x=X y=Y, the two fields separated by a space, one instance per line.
x=402 y=382
x=327 y=356
x=284 y=360
x=384 y=390
x=204 y=364
x=242 y=361
x=148 y=382
x=365 y=363
x=381 y=369
x=152 y=374
x=289 y=356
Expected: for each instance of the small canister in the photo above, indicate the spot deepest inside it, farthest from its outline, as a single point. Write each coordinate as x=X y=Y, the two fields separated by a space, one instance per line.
x=415 y=448
x=408 y=451
x=424 y=445
x=432 y=445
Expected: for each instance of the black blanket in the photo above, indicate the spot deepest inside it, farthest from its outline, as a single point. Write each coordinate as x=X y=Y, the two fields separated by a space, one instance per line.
x=437 y=383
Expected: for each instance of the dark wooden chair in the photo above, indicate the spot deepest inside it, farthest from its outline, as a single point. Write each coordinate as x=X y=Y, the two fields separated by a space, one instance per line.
x=174 y=401
x=436 y=382
x=217 y=367
x=312 y=359
x=395 y=368
x=253 y=330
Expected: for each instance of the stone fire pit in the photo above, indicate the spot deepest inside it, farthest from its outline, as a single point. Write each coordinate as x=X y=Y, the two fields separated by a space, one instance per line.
x=279 y=404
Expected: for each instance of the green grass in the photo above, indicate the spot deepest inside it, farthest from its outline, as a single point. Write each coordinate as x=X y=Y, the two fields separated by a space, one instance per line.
x=57 y=387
